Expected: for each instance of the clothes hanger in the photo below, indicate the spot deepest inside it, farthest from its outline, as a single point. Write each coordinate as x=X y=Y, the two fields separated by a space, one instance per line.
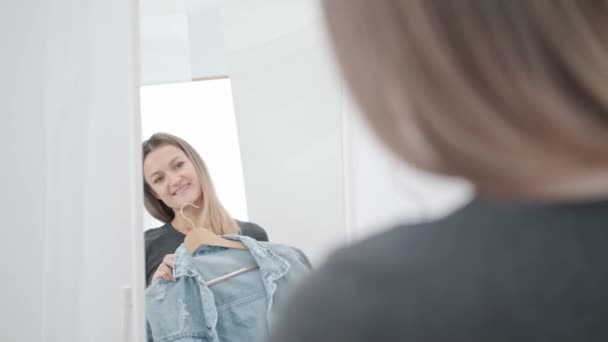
x=198 y=237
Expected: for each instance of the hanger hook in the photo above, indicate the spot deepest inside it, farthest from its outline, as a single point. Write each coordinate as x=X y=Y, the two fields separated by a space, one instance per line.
x=181 y=211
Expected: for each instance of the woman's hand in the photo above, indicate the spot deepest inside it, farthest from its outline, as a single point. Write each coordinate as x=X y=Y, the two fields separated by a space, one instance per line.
x=165 y=270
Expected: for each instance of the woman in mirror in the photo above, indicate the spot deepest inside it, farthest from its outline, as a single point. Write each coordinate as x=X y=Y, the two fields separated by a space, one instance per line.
x=513 y=96
x=175 y=174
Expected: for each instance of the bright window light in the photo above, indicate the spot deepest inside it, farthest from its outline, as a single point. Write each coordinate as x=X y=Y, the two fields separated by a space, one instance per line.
x=202 y=113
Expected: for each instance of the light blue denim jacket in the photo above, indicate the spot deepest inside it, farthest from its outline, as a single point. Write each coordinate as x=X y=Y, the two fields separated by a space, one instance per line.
x=238 y=309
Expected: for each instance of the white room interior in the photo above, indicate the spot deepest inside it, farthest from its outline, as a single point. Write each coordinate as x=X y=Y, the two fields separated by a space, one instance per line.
x=306 y=170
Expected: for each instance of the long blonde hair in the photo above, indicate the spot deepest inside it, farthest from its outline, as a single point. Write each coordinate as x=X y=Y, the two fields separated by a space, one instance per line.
x=214 y=215
x=505 y=93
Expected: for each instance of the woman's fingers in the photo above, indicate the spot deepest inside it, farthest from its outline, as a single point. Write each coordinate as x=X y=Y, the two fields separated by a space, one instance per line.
x=169 y=260
x=163 y=273
x=165 y=270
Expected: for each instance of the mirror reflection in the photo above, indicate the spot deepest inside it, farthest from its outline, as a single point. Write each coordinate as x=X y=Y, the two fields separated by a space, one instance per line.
x=248 y=128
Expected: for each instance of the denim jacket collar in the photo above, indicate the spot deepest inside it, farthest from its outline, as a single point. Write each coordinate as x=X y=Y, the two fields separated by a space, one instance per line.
x=272 y=266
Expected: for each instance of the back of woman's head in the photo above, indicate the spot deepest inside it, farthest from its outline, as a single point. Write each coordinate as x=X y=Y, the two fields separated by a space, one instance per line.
x=504 y=93
x=214 y=215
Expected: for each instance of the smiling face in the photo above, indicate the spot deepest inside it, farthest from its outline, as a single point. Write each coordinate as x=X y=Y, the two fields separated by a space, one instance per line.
x=172 y=177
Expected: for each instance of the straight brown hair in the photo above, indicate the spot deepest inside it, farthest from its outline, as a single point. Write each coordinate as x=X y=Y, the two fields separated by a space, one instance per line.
x=504 y=93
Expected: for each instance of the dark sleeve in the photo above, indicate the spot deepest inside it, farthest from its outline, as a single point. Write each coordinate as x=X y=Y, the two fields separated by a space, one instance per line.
x=147 y=265
x=253 y=230
x=158 y=243
x=151 y=258
x=333 y=304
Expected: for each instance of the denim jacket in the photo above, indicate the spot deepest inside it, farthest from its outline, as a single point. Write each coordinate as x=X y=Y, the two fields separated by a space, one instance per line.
x=240 y=309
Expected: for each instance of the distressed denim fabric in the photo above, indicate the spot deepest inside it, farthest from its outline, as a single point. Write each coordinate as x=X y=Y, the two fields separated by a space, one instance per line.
x=238 y=309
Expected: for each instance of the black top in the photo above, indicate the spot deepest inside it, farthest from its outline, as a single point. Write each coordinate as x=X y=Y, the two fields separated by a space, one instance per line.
x=165 y=240
x=490 y=272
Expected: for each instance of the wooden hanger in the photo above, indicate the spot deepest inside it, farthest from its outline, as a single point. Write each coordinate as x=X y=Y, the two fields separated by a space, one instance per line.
x=198 y=237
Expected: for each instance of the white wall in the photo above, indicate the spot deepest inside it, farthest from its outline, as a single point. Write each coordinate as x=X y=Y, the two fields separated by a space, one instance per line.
x=165 y=47
x=384 y=191
x=289 y=123
x=23 y=169
x=72 y=190
x=181 y=40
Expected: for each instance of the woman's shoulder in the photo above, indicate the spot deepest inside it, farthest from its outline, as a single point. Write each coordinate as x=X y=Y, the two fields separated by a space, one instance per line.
x=350 y=283
x=418 y=264
x=377 y=272
x=252 y=230
x=155 y=234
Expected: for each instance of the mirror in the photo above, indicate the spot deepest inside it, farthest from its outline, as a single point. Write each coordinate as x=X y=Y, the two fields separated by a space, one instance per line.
x=253 y=86
x=312 y=174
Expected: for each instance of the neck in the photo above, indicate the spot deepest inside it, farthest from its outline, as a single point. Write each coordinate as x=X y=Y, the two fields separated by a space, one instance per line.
x=583 y=186
x=567 y=187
